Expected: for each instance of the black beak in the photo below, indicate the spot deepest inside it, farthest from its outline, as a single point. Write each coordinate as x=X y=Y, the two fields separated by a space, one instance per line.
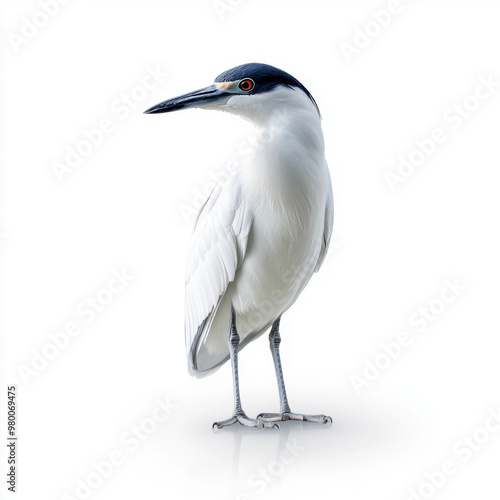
x=209 y=96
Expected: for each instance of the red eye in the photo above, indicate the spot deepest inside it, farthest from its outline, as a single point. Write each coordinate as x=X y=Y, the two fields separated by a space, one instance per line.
x=246 y=85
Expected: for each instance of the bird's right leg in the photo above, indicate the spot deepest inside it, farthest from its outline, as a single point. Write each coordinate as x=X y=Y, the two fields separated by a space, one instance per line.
x=238 y=415
x=285 y=413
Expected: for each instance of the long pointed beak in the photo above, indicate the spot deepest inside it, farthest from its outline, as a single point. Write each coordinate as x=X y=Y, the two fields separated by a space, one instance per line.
x=209 y=96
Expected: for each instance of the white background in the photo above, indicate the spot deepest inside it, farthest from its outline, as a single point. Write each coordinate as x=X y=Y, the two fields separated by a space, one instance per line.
x=122 y=208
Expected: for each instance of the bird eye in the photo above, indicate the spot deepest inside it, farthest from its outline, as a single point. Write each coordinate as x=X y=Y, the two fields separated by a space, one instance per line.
x=246 y=85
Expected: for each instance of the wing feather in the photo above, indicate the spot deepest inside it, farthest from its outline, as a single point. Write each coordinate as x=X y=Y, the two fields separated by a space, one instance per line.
x=327 y=234
x=217 y=249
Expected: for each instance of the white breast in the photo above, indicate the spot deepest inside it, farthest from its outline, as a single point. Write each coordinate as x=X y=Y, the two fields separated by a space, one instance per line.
x=288 y=186
x=260 y=237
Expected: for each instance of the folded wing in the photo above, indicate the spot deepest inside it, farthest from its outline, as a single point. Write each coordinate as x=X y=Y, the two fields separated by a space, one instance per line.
x=217 y=250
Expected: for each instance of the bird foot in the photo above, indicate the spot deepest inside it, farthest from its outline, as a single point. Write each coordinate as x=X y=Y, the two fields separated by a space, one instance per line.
x=288 y=415
x=242 y=419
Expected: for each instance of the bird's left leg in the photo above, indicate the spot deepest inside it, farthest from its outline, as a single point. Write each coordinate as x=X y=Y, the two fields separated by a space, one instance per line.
x=285 y=412
x=239 y=415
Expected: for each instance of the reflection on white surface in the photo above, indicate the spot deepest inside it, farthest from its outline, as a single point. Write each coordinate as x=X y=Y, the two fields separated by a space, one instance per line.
x=240 y=463
x=274 y=458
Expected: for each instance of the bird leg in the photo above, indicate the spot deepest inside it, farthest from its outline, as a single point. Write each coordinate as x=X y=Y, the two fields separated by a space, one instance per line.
x=285 y=412
x=239 y=415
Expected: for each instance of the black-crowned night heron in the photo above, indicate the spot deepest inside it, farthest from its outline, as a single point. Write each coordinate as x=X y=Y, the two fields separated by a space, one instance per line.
x=263 y=232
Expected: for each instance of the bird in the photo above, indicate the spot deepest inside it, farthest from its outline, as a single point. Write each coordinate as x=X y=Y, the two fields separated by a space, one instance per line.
x=262 y=233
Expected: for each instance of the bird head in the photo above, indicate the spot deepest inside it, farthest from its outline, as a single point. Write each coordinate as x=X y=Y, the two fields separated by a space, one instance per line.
x=254 y=91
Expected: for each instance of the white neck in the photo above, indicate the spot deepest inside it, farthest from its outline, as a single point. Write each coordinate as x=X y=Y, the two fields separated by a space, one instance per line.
x=282 y=109
x=287 y=166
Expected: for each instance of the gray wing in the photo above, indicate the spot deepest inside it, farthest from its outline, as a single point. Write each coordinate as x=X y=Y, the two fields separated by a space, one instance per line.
x=327 y=234
x=217 y=249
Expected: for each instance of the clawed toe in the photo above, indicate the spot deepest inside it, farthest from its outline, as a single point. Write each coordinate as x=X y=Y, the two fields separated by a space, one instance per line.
x=282 y=417
x=242 y=419
x=271 y=417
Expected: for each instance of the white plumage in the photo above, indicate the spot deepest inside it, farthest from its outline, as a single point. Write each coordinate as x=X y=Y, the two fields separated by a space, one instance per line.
x=263 y=231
